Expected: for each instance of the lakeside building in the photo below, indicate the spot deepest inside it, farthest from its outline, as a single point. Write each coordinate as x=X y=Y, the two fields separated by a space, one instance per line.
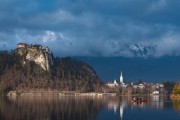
x=112 y=84
x=116 y=84
x=137 y=87
x=156 y=92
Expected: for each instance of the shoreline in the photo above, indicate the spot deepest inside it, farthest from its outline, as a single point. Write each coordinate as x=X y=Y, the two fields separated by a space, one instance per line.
x=59 y=93
x=72 y=93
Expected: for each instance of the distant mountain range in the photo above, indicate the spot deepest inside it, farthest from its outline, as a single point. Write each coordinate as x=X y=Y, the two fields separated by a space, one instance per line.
x=144 y=51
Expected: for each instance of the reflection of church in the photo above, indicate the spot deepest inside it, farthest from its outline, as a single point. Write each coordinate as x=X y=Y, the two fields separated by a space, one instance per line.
x=114 y=105
x=121 y=109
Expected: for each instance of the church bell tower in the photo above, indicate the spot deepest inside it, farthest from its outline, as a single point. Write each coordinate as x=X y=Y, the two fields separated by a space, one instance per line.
x=121 y=78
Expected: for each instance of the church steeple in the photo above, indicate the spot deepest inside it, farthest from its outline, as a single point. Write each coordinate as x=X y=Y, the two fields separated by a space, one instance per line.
x=121 y=78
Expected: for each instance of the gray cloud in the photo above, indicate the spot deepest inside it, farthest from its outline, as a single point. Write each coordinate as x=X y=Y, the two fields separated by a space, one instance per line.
x=93 y=28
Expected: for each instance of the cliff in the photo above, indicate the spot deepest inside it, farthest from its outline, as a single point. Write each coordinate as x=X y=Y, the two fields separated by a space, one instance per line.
x=41 y=56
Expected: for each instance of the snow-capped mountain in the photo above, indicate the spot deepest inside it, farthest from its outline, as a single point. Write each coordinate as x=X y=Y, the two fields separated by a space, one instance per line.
x=141 y=50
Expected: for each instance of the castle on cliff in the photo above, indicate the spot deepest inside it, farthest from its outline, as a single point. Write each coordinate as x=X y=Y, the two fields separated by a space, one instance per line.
x=36 y=46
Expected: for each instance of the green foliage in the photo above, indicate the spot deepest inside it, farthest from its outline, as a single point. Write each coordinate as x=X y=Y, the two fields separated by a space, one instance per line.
x=176 y=89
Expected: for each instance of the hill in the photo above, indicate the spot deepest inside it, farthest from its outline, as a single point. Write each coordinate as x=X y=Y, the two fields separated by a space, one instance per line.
x=32 y=67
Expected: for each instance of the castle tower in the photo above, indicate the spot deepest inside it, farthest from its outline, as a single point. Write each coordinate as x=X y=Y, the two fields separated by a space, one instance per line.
x=121 y=78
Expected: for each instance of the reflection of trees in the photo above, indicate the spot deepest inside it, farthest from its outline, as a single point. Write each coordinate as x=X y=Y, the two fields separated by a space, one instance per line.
x=176 y=105
x=40 y=108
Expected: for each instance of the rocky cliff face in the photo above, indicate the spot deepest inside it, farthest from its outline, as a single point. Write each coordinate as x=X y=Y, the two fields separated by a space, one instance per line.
x=39 y=55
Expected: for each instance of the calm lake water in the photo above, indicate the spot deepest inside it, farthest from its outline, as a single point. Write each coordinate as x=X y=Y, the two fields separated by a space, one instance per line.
x=88 y=108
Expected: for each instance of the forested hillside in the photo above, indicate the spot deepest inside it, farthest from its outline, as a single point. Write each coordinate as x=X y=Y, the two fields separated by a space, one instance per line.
x=65 y=74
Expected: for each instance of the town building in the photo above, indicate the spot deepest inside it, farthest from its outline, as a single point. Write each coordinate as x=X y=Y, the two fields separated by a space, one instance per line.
x=156 y=92
x=110 y=84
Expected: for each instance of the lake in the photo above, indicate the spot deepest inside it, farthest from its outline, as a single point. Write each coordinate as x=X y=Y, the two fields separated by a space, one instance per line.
x=88 y=108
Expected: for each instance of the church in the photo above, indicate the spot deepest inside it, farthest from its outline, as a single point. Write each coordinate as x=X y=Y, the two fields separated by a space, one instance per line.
x=122 y=84
x=115 y=83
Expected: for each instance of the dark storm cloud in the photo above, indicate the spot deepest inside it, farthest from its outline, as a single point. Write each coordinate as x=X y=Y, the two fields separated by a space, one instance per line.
x=94 y=27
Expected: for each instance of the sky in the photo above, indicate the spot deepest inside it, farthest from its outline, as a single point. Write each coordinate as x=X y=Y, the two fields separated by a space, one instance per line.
x=148 y=29
x=129 y=28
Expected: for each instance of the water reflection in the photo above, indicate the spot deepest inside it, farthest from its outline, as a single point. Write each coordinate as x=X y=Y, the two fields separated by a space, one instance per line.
x=121 y=108
x=124 y=106
x=80 y=108
x=176 y=105
x=50 y=108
